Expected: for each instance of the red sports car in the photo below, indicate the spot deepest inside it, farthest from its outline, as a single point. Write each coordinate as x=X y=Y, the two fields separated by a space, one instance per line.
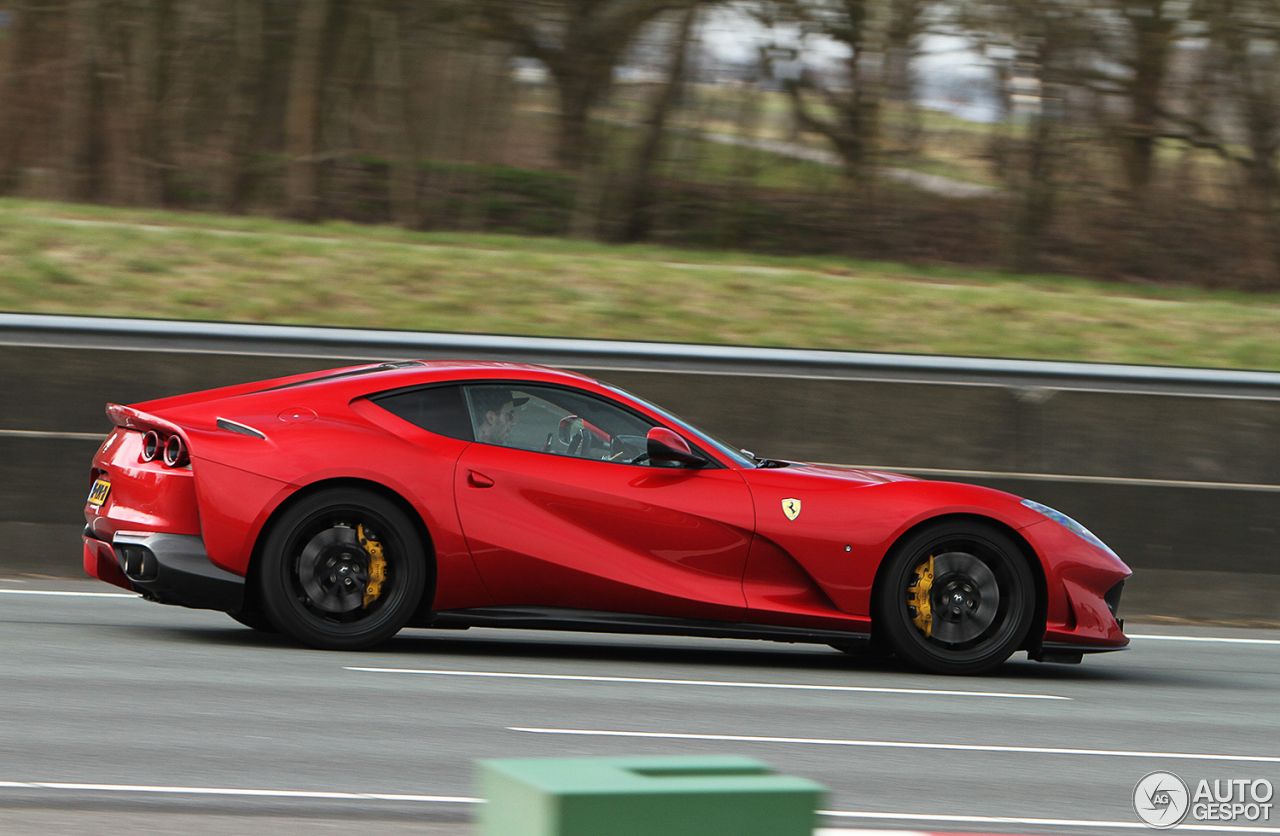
x=338 y=507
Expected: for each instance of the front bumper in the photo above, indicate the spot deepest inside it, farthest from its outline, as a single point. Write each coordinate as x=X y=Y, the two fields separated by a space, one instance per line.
x=169 y=568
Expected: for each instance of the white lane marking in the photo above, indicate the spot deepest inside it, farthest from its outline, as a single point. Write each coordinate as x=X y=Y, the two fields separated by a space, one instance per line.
x=243 y=792
x=714 y=683
x=462 y=799
x=1146 y=637
x=900 y=744
x=1127 y=825
x=69 y=594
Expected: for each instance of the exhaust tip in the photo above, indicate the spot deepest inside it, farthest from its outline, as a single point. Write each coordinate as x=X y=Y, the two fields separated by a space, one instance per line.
x=151 y=446
x=175 y=452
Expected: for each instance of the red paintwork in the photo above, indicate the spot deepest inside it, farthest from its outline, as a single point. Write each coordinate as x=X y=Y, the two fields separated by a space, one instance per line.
x=514 y=527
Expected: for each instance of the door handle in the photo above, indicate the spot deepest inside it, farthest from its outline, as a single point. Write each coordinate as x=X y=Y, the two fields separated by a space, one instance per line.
x=478 y=480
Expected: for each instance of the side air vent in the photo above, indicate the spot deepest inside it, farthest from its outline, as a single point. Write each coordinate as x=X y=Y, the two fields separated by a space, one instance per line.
x=232 y=426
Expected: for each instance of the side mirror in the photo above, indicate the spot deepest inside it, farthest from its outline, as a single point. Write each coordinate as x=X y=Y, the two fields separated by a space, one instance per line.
x=665 y=446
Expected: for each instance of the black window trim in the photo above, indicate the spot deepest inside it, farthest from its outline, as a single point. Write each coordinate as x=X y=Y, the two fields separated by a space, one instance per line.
x=713 y=463
x=420 y=387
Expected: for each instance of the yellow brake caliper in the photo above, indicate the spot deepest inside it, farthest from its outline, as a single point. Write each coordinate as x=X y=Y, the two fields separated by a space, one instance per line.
x=918 y=597
x=377 y=566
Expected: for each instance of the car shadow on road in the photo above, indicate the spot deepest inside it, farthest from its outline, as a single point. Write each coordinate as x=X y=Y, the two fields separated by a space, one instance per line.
x=429 y=648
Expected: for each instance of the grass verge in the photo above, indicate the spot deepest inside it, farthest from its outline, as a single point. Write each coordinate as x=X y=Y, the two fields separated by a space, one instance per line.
x=73 y=259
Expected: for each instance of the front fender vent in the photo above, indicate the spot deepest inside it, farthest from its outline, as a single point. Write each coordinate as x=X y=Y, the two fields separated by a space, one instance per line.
x=1112 y=597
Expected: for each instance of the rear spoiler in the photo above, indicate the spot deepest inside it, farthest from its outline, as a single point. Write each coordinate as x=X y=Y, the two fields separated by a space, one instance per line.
x=132 y=419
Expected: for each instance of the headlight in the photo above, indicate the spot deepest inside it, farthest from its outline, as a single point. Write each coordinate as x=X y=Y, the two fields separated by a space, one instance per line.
x=1067 y=523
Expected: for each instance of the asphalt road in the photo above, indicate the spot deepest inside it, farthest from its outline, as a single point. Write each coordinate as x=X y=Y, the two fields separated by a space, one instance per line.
x=120 y=716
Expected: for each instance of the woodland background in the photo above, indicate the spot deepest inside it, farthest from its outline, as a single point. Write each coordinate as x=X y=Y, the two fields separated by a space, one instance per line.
x=1123 y=139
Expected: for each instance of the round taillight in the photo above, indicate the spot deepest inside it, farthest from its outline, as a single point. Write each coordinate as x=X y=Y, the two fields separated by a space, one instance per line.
x=151 y=446
x=175 y=451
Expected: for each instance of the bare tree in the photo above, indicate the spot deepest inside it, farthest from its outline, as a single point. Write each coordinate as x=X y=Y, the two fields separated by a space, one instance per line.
x=1243 y=124
x=302 y=109
x=137 y=57
x=393 y=116
x=580 y=42
x=1039 y=52
x=1244 y=50
x=637 y=193
x=244 y=93
x=1134 y=41
x=77 y=103
x=181 y=62
x=880 y=37
x=904 y=31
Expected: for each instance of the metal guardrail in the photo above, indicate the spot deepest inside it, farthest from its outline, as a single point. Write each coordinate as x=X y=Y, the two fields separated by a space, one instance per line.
x=1176 y=468
x=712 y=357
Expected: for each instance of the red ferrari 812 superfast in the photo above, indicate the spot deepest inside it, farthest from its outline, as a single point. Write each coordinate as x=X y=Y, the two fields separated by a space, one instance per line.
x=338 y=507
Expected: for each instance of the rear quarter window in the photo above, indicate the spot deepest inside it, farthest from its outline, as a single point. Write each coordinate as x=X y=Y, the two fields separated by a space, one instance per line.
x=437 y=409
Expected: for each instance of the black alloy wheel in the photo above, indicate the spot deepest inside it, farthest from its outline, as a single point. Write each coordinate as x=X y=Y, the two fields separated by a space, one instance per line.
x=344 y=569
x=956 y=598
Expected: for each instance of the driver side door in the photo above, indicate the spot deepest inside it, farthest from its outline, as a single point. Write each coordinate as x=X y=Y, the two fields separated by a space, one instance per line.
x=566 y=512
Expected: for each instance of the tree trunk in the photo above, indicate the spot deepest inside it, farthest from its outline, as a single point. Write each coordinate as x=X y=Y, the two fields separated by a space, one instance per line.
x=393 y=118
x=11 y=98
x=302 y=110
x=638 y=192
x=142 y=91
x=1152 y=36
x=82 y=28
x=175 y=102
x=577 y=150
x=337 y=115
x=578 y=92
x=243 y=103
x=1036 y=195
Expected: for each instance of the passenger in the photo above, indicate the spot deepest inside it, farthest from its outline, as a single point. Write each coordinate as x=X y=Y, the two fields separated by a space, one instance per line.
x=495 y=411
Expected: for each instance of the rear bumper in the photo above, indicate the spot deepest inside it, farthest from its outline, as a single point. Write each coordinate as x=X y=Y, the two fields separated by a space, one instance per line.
x=169 y=568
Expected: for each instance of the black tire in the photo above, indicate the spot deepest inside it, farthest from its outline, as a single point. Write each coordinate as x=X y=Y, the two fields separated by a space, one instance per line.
x=254 y=619
x=980 y=604
x=316 y=564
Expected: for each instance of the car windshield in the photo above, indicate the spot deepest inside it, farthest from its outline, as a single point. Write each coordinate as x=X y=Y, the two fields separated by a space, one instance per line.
x=738 y=456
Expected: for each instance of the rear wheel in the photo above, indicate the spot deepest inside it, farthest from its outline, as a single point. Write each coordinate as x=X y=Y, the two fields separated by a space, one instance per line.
x=956 y=598
x=343 y=569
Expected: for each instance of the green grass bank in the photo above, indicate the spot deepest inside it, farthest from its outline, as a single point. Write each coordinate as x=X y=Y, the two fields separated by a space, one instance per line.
x=73 y=259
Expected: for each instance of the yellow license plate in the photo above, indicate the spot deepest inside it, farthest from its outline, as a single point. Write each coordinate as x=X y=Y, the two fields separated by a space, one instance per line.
x=98 y=495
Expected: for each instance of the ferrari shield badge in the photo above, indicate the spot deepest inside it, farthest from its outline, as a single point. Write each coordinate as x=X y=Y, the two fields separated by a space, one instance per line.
x=791 y=507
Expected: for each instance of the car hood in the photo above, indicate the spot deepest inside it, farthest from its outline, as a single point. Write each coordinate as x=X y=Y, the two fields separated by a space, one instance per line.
x=855 y=475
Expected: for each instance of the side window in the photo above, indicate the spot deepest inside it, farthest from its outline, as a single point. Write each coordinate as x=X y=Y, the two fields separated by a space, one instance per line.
x=562 y=422
x=438 y=409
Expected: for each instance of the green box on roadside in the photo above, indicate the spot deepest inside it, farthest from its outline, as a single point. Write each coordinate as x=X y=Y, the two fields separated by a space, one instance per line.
x=644 y=796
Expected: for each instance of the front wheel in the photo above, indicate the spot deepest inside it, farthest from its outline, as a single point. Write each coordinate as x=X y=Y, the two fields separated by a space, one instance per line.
x=343 y=569
x=956 y=598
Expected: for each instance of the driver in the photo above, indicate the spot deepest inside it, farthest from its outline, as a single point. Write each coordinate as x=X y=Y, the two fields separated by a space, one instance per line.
x=496 y=414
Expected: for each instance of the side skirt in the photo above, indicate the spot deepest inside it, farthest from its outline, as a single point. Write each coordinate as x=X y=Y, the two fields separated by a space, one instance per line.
x=589 y=621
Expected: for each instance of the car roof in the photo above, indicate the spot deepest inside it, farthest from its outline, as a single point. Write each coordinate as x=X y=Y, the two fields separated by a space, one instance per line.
x=356 y=381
